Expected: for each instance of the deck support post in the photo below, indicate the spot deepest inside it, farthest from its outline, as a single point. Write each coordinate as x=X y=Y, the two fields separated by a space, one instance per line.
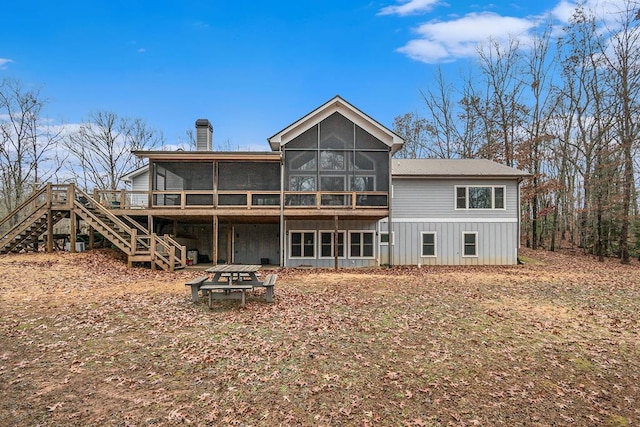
x=229 y=243
x=73 y=230
x=91 y=238
x=335 y=241
x=49 y=231
x=214 y=240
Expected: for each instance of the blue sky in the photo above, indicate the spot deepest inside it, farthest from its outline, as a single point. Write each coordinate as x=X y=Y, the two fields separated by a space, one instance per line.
x=250 y=67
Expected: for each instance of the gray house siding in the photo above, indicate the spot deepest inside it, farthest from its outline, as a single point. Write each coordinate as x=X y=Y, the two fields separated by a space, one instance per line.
x=253 y=243
x=429 y=205
x=140 y=183
x=328 y=226
x=496 y=243
x=435 y=198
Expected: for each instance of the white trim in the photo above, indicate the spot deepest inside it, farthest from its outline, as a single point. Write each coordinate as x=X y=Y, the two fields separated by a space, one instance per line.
x=435 y=244
x=373 y=246
x=393 y=238
x=476 y=241
x=315 y=242
x=332 y=232
x=336 y=104
x=450 y=220
x=493 y=197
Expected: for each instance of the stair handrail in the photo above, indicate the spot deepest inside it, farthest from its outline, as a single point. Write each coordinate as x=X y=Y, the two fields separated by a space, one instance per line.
x=23 y=224
x=136 y=224
x=170 y=250
x=21 y=206
x=118 y=222
x=103 y=211
x=182 y=250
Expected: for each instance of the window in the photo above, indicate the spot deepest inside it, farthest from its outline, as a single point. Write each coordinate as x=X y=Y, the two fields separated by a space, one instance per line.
x=362 y=183
x=480 y=197
x=303 y=244
x=302 y=183
x=361 y=244
x=326 y=244
x=428 y=244
x=332 y=183
x=384 y=238
x=470 y=244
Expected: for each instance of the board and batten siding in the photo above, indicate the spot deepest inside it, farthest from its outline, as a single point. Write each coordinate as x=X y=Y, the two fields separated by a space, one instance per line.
x=317 y=226
x=428 y=205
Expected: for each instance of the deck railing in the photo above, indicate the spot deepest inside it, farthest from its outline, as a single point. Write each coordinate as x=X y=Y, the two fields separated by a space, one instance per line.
x=190 y=199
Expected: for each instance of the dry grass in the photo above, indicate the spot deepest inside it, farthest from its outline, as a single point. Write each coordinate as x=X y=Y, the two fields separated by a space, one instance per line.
x=85 y=341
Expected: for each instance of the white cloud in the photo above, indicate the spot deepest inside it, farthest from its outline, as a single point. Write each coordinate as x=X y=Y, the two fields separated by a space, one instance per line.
x=449 y=40
x=606 y=10
x=408 y=7
x=460 y=36
x=142 y=50
x=4 y=62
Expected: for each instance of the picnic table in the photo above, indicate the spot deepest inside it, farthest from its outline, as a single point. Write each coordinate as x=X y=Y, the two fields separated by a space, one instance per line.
x=231 y=281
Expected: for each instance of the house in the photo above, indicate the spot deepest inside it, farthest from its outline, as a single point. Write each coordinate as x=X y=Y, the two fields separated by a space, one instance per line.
x=326 y=195
x=452 y=212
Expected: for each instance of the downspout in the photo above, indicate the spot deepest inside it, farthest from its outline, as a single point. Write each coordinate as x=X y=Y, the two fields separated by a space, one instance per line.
x=282 y=228
x=519 y=215
x=389 y=202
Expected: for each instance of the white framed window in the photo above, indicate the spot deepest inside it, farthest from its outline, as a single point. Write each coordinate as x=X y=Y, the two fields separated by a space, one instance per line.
x=362 y=183
x=361 y=244
x=384 y=238
x=480 y=197
x=302 y=244
x=428 y=247
x=470 y=244
x=302 y=183
x=326 y=244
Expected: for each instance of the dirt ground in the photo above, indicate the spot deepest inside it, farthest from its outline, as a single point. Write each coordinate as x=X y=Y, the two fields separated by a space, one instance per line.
x=86 y=341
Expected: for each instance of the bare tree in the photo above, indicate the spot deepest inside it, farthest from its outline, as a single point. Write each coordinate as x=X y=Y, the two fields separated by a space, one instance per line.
x=413 y=129
x=28 y=144
x=531 y=152
x=502 y=111
x=102 y=148
x=622 y=57
x=441 y=124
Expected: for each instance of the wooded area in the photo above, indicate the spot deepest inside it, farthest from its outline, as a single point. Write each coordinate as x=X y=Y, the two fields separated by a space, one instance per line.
x=93 y=154
x=563 y=107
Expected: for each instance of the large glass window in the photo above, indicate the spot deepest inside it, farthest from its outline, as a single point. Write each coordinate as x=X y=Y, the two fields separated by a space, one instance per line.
x=336 y=133
x=480 y=197
x=332 y=183
x=341 y=156
x=302 y=183
x=302 y=244
x=361 y=244
x=332 y=160
x=326 y=244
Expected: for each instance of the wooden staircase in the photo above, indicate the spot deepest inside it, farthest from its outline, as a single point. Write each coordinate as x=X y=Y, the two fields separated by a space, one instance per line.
x=22 y=228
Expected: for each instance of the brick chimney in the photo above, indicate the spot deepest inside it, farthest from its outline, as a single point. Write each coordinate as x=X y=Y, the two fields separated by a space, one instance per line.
x=204 y=135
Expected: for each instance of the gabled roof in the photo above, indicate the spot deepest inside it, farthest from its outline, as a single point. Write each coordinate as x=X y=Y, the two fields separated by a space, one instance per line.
x=336 y=104
x=480 y=168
